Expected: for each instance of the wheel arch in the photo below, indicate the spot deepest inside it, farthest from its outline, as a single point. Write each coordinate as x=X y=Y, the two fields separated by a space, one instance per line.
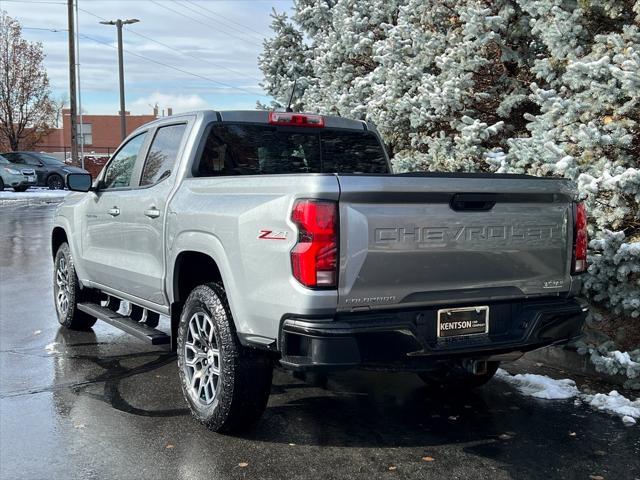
x=198 y=258
x=58 y=237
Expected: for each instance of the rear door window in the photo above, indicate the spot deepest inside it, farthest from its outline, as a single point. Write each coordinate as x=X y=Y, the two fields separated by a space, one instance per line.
x=241 y=149
x=163 y=154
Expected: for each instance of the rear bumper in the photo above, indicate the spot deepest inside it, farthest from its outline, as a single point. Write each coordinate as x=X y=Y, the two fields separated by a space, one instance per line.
x=407 y=340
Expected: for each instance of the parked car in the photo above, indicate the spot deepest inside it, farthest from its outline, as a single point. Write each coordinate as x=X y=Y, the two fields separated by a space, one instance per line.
x=50 y=171
x=16 y=177
x=283 y=237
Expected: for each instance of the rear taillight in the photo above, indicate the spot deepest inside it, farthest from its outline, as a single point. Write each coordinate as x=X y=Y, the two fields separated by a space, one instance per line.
x=315 y=257
x=579 y=239
x=296 y=119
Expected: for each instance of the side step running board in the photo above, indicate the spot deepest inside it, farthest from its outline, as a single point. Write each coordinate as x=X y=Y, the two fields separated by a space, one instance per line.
x=126 y=324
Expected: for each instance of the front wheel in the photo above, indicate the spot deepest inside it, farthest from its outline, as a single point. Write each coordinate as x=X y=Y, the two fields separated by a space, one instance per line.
x=455 y=377
x=225 y=384
x=67 y=292
x=55 y=182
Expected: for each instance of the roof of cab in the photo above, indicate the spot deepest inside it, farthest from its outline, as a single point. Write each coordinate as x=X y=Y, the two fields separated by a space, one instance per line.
x=262 y=116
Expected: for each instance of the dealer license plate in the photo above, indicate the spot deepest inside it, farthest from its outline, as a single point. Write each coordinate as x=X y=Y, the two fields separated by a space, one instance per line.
x=457 y=322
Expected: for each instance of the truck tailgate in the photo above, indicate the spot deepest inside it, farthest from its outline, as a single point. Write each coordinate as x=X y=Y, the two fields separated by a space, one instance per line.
x=452 y=239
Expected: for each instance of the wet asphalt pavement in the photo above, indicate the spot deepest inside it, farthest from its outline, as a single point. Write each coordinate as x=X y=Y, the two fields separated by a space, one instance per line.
x=101 y=404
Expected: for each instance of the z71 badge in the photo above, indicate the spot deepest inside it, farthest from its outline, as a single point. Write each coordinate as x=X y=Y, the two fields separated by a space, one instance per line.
x=272 y=235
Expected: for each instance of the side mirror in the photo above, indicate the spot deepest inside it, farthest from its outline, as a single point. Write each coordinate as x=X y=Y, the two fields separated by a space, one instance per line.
x=79 y=182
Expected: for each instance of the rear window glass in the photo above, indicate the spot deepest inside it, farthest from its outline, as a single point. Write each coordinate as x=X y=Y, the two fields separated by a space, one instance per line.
x=237 y=149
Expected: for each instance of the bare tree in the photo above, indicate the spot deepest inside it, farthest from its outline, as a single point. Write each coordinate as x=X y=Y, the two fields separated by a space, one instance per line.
x=27 y=110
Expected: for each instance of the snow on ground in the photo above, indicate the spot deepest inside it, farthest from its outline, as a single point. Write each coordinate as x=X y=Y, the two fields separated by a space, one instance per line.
x=540 y=386
x=33 y=195
x=616 y=404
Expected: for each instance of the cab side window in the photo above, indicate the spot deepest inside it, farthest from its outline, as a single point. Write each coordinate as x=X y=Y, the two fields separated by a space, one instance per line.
x=120 y=168
x=163 y=154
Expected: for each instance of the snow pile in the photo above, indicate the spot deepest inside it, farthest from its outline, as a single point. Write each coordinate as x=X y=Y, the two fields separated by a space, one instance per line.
x=539 y=386
x=616 y=404
x=32 y=192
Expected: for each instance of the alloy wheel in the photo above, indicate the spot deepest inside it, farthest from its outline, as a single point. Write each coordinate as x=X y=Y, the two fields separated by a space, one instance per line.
x=202 y=359
x=62 y=284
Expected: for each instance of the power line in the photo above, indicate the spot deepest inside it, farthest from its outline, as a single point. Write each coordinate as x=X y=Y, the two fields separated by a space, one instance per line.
x=173 y=48
x=261 y=35
x=197 y=12
x=35 y=1
x=200 y=22
x=157 y=62
x=52 y=30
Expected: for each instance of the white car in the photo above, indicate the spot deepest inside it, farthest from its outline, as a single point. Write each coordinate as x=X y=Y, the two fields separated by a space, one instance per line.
x=16 y=177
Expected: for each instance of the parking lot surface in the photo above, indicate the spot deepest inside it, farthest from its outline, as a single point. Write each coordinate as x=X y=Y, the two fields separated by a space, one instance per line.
x=101 y=404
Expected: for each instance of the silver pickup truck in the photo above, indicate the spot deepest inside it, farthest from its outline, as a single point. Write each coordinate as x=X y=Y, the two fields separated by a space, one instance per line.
x=271 y=237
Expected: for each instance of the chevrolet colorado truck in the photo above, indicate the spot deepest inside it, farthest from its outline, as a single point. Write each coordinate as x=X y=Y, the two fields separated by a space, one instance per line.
x=271 y=237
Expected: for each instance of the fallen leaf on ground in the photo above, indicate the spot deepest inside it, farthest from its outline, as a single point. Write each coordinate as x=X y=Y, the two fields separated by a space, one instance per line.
x=572 y=434
x=169 y=445
x=292 y=444
x=243 y=464
x=454 y=417
x=505 y=436
x=37 y=332
x=392 y=467
x=428 y=459
x=596 y=477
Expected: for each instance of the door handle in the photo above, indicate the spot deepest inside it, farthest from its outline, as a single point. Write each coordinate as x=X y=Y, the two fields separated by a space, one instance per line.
x=114 y=212
x=152 y=212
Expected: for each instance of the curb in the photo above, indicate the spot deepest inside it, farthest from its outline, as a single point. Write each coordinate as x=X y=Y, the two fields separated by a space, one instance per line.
x=571 y=361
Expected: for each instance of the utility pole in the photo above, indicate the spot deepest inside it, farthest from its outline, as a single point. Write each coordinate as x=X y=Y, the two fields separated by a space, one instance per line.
x=79 y=88
x=72 y=83
x=119 y=23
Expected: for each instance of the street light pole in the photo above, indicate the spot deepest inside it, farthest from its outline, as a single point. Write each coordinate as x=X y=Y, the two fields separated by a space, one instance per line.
x=119 y=23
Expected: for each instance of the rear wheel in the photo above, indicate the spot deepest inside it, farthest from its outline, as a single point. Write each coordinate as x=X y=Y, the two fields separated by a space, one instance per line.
x=67 y=292
x=55 y=182
x=456 y=377
x=225 y=384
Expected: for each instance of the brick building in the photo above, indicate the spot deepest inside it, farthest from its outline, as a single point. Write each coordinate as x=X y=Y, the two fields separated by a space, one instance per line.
x=101 y=132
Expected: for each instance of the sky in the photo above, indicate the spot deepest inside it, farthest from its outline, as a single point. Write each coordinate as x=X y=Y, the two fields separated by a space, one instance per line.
x=184 y=54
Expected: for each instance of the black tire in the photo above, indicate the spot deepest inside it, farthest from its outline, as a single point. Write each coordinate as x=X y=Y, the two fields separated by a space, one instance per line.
x=20 y=189
x=1 y=184
x=244 y=380
x=70 y=316
x=55 y=182
x=455 y=377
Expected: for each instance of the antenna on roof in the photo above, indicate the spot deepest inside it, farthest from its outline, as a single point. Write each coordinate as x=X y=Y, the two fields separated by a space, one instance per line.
x=293 y=90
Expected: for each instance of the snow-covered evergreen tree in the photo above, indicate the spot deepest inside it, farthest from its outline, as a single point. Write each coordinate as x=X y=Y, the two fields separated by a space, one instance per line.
x=545 y=87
